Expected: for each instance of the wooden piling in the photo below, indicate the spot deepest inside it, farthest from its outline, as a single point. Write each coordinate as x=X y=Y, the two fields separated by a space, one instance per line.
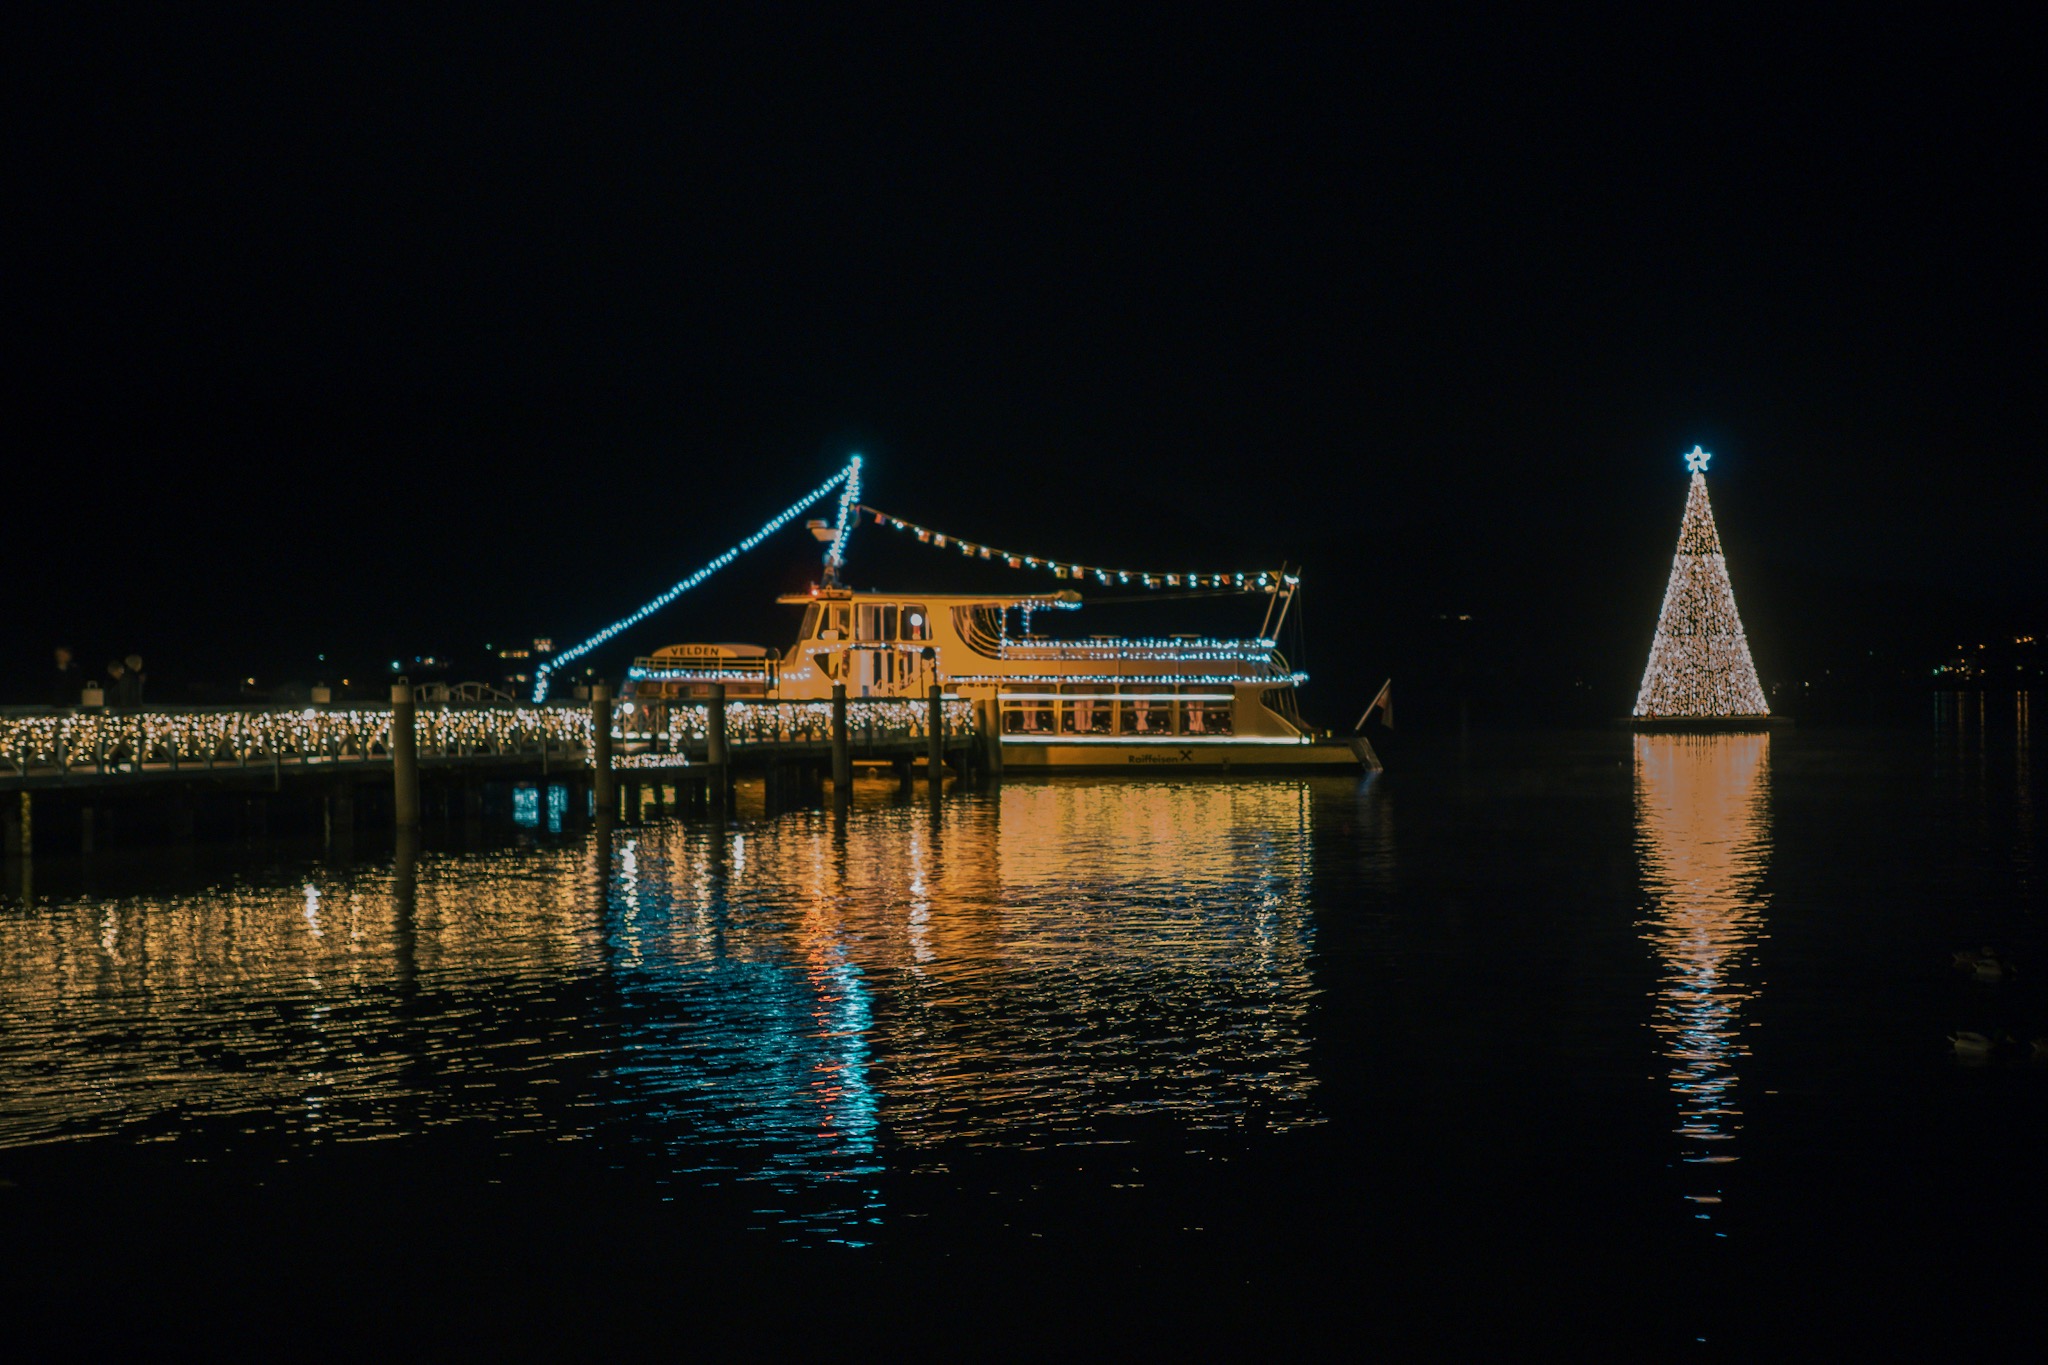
x=17 y=830
x=842 y=745
x=603 y=784
x=717 y=757
x=405 y=760
x=935 y=736
x=987 y=723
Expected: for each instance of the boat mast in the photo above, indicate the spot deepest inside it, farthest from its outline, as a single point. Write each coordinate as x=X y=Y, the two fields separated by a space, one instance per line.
x=1283 y=598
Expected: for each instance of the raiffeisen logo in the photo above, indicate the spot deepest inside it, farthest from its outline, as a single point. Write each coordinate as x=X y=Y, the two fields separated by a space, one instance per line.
x=1185 y=756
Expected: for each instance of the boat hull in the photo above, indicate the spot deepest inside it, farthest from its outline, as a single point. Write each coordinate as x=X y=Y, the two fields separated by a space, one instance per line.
x=1181 y=755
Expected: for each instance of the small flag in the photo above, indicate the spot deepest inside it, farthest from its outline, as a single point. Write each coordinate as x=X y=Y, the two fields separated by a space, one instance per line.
x=1382 y=703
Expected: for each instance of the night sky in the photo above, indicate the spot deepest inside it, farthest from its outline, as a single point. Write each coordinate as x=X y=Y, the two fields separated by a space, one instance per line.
x=383 y=333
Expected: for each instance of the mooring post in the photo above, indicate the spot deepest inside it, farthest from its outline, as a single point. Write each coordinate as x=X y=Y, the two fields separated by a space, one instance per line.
x=935 y=736
x=16 y=831
x=405 y=759
x=989 y=731
x=717 y=757
x=604 y=791
x=842 y=746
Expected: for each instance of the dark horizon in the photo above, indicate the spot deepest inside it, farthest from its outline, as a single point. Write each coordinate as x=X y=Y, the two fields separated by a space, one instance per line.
x=398 y=335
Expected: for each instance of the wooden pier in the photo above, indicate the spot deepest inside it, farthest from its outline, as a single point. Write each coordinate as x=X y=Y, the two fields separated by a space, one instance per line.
x=413 y=758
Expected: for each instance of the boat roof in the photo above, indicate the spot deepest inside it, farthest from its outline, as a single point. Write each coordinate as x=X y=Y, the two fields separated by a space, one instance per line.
x=951 y=599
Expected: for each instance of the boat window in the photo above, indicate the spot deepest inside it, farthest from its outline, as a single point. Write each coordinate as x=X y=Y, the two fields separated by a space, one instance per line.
x=1087 y=709
x=1030 y=713
x=810 y=626
x=917 y=622
x=878 y=622
x=1147 y=711
x=833 y=622
x=1206 y=711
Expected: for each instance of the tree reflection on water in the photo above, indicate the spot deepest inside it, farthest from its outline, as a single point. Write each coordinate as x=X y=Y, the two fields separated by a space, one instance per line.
x=1704 y=841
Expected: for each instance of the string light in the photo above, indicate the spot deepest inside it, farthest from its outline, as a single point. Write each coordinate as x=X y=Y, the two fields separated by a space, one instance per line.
x=1699 y=668
x=1147 y=679
x=849 y=499
x=92 y=740
x=759 y=722
x=1262 y=582
x=849 y=476
x=95 y=741
x=1141 y=651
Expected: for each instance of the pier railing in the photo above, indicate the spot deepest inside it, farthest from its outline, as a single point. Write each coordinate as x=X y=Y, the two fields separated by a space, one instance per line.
x=107 y=745
x=39 y=746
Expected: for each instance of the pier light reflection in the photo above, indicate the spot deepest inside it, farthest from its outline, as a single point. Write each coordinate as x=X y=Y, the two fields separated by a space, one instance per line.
x=1703 y=840
x=786 y=1009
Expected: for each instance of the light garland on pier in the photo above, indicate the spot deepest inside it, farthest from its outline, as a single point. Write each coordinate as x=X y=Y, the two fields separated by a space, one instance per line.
x=198 y=739
x=849 y=477
x=1700 y=667
x=1060 y=568
x=53 y=745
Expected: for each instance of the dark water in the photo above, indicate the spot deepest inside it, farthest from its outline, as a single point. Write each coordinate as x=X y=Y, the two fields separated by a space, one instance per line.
x=1638 y=1044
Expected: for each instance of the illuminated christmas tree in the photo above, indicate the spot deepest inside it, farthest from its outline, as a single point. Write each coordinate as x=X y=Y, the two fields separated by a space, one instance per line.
x=1700 y=667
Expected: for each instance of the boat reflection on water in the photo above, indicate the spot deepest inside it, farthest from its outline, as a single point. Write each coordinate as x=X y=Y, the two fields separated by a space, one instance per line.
x=1041 y=967
x=799 y=1003
x=1703 y=840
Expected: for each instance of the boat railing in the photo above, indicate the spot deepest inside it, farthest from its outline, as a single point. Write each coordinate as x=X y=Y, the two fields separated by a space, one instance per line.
x=684 y=727
x=764 y=670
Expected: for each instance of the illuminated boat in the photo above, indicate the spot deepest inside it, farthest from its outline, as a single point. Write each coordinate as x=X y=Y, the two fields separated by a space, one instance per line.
x=1100 y=702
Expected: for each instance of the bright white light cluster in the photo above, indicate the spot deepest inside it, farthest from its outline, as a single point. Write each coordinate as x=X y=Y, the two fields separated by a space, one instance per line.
x=1138 y=679
x=759 y=722
x=97 y=741
x=1172 y=651
x=849 y=500
x=848 y=476
x=1258 y=582
x=694 y=675
x=1699 y=662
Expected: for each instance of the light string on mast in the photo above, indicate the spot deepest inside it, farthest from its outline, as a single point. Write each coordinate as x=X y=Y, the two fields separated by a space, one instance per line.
x=1060 y=568
x=848 y=476
x=849 y=500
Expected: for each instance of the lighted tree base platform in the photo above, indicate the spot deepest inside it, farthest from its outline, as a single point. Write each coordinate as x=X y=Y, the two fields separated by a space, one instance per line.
x=1702 y=724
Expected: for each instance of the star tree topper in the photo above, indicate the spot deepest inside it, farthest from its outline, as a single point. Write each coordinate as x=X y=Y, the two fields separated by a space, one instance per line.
x=1696 y=460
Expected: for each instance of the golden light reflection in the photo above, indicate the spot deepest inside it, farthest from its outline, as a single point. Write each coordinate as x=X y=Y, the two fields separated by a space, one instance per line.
x=1703 y=840
x=788 y=1002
